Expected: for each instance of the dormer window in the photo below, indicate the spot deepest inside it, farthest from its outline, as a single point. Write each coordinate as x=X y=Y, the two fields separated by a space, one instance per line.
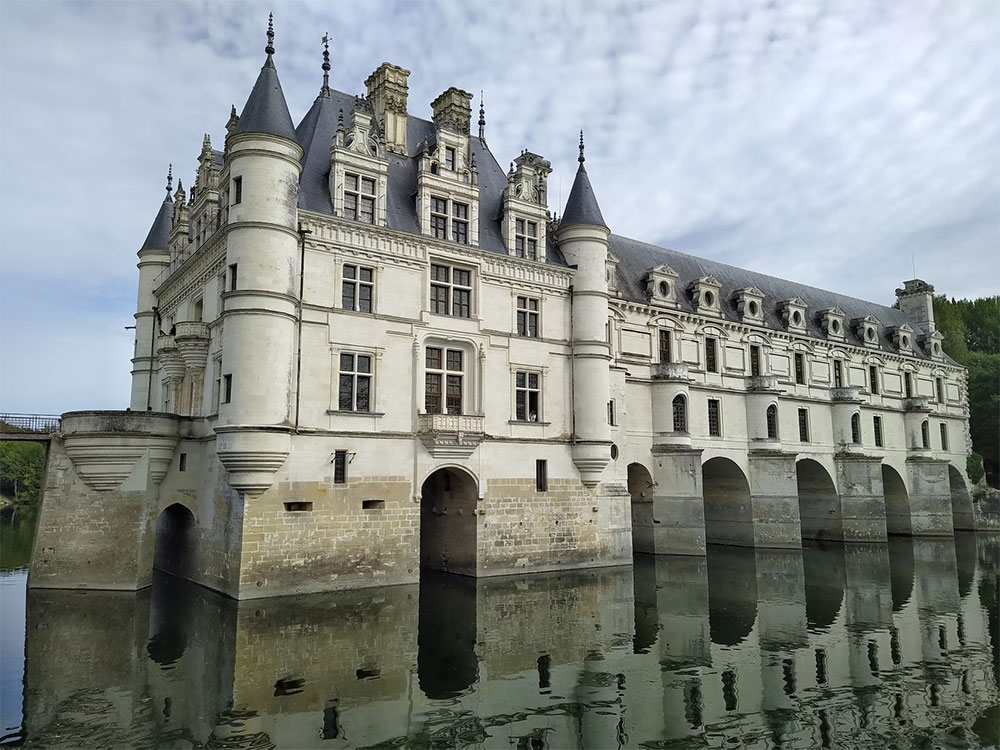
x=793 y=314
x=705 y=294
x=445 y=212
x=359 y=198
x=526 y=239
x=833 y=322
x=867 y=330
x=661 y=284
x=449 y=158
x=749 y=304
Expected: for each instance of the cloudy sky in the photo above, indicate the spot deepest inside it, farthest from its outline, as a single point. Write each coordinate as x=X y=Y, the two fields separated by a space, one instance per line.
x=840 y=144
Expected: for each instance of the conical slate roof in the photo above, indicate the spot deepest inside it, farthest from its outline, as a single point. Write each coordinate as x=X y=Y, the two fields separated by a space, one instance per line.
x=159 y=234
x=582 y=208
x=266 y=110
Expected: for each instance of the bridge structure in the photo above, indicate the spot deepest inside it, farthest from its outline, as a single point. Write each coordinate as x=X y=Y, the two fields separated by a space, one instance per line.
x=36 y=428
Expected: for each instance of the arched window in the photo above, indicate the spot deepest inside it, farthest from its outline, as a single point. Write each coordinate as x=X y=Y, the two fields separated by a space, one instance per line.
x=772 y=422
x=856 y=428
x=925 y=434
x=680 y=413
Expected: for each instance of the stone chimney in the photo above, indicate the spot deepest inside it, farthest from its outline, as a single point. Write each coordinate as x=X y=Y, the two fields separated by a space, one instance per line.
x=916 y=299
x=453 y=111
x=387 y=93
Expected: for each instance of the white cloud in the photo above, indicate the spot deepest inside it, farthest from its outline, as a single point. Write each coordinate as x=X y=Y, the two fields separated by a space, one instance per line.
x=834 y=143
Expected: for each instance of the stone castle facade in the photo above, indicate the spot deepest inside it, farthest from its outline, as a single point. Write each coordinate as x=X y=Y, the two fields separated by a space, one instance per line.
x=364 y=348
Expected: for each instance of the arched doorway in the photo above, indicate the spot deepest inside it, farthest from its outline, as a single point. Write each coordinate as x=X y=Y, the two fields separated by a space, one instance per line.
x=640 y=487
x=897 y=502
x=728 y=509
x=961 y=500
x=448 y=522
x=819 y=503
x=175 y=541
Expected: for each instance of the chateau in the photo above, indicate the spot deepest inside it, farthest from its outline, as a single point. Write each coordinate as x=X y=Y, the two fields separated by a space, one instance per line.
x=364 y=347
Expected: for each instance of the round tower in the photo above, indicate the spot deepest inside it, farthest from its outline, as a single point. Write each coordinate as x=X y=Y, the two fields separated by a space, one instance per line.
x=583 y=240
x=154 y=257
x=263 y=163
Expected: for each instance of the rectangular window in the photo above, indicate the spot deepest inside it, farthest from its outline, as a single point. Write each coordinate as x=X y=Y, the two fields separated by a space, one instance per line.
x=227 y=388
x=358 y=288
x=665 y=345
x=714 y=417
x=800 y=368
x=460 y=223
x=541 y=475
x=873 y=379
x=443 y=380
x=754 y=360
x=526 y=396
x=944 y=437
x=803 y=425
x=298 y=507
x=182 y=461
x=449 y=158
x=611 y=413
x=232 y=277
x=939 y=388
x=526 y=239
x=340 y=467
x=838 y=374
x=527 y=317
x=359 y=198
x=711 y=355
x=439 y=218
x=237 y=190
x=877 y=427
x=907 y=385
x=454 y=285
x=355 y=382
x=216 y=384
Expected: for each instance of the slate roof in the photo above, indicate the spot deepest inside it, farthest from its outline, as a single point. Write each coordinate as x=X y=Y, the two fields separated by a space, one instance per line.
x=581 y=206
x=266 y=110
x=159 y=234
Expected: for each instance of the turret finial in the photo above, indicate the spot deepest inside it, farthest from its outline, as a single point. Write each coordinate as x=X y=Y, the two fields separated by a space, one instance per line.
x=482 y=118
x=170 y=178
x=326 y=64
x=269 y=49
x=580 y=158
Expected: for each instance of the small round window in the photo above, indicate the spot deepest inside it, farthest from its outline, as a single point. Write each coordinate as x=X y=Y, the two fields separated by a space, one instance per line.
x=937 y=348
x=835 y=326
x=709 y=299
x=870 y=334
x=614 y=452
x=905 y=342
x=664 y=289
x=754 y=307
x=797 y=318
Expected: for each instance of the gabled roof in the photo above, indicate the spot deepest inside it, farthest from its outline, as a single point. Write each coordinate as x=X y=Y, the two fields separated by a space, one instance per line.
x=581 y=207
x=266 y=110
x=159 y=234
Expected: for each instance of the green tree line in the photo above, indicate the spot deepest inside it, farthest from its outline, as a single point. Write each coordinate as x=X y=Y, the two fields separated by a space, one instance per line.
x=971 y=331
x=22 y=465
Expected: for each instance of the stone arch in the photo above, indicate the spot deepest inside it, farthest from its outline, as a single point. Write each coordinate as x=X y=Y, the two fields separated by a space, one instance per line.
x=640 y=488
x=819 y=502
x=448 y=526
x=174 y=541
x=728 y=507
x=961 y=501
x=897 y=502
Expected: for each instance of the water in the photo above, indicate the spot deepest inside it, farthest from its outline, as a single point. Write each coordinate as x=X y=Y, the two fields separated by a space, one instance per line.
x=850 y=646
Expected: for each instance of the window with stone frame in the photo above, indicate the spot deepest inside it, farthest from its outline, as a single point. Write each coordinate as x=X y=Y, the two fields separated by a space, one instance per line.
x=443 y=380
x=527 y=396
x=527 y=317
x=907 y=385
x=355 y=388
x=856 y=429
x=449 y=158
x=944 y=436
x=939 y=389
x=526 y=239
x=711 y=355
x=359 y=197
x=358 y=288
x=925 y=434
x=445 y=212
x=800 y=368
x=803 y=425
x=771 y=417
x=754 y=360
x=679 y=408
x=665 y=353
x=216 y=384
x=877 y=427
x=714 y=417
x=460 y=222
x=451 y=291
x=439 y=218
x=838 y=373
x=873 y=385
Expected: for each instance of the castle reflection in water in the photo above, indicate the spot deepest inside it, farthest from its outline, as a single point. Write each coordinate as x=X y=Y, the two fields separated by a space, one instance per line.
x=847 y=645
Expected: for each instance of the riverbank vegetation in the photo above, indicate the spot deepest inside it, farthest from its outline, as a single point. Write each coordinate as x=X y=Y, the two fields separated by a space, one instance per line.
x=22 y=467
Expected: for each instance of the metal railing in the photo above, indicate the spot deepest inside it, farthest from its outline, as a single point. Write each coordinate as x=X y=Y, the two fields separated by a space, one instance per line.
x=38 y=423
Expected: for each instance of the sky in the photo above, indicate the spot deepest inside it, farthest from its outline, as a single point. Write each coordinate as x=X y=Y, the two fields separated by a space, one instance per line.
x=843 y=145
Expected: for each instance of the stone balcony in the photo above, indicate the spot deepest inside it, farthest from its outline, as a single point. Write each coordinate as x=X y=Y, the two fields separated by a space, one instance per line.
x=918 y=403
x=672 y=371
x=850 y=395
x=762 y=383
x=451 y=435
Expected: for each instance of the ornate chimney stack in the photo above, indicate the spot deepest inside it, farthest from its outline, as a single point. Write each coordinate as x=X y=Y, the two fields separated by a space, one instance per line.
x=387 y=91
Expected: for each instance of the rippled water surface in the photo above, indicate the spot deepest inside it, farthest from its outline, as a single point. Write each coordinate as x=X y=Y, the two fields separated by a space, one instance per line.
x=850 y=646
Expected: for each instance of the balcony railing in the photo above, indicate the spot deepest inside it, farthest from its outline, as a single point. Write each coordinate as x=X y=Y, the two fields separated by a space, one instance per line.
x=672 y=371
x=762 y=383
x=464 y=423
x=849 y=394
x=451 y=435
x=917 y=403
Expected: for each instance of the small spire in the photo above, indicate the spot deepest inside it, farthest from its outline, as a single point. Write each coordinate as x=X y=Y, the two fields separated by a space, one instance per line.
x=326 y=64
x=482 y=118
x=269 y=49
x=170 y=178
x=580 y=158
x=340 y=119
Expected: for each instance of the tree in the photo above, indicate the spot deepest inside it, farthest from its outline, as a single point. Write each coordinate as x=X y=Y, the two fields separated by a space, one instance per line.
x=22 y=465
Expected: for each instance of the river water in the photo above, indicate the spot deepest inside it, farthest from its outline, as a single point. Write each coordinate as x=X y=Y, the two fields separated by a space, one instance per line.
x=838 y=646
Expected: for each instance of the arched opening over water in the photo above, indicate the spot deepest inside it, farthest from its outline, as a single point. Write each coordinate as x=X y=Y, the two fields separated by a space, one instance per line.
x=819 y=503
x=897 y=502
x=961 y=500
x=823 y=568
x=728 y=509
x=640 y=488
x=448 y=522
x=175 y=541
x=732 y=593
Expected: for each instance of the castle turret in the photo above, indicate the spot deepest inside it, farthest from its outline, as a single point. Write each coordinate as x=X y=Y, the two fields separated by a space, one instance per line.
x=583 y=240
x=263 y=162
x=154 y=257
